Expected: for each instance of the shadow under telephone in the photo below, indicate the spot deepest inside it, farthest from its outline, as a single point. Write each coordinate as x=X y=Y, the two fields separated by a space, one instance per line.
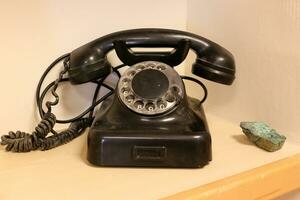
x=147 y=120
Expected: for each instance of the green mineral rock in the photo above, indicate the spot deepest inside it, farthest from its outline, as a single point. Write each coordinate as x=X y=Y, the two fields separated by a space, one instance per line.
x=263 y=136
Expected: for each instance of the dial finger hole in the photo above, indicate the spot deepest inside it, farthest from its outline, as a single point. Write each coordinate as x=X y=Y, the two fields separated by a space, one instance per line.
x=161 y=104
x=174 y=90
x=161 y=67
x=140 y=67
x=125 y=90
x=130 y=98
x=150 y=65
x=138 y=105
x=125 y=81
x=170 y=97
x=131 y=73
x=150 y=107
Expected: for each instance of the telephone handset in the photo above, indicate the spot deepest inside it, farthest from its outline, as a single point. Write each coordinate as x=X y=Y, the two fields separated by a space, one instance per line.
x=147 y=120
x=213 y=62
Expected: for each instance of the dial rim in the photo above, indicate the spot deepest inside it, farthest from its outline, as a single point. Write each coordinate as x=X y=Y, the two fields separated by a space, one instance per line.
x=150 y=106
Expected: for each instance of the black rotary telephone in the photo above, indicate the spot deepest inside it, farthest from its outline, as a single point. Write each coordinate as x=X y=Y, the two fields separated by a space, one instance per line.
x=148 y=119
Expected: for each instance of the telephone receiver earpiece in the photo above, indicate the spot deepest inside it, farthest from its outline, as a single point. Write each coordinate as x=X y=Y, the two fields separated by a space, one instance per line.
x=213 y=62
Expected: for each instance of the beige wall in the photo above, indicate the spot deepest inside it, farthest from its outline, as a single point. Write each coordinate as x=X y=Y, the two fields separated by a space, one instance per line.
x=34 y=33
x=264 y=37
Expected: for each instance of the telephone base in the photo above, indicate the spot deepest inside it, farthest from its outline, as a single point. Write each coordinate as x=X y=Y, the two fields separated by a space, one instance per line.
x=150 y=149
x=122 y=138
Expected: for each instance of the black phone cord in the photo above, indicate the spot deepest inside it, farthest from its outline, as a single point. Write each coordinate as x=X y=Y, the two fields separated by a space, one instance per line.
x=24 y=142
x=199 y=83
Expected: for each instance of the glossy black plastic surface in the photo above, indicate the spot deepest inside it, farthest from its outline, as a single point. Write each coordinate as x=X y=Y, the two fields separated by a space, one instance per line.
x=217 y=63
x=89 y=72
x=214 y=73
x=172 y=58
x=120 y=137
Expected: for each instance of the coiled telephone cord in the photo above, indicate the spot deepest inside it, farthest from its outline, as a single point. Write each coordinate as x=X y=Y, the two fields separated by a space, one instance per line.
x=24 y=142
x=75 y=129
